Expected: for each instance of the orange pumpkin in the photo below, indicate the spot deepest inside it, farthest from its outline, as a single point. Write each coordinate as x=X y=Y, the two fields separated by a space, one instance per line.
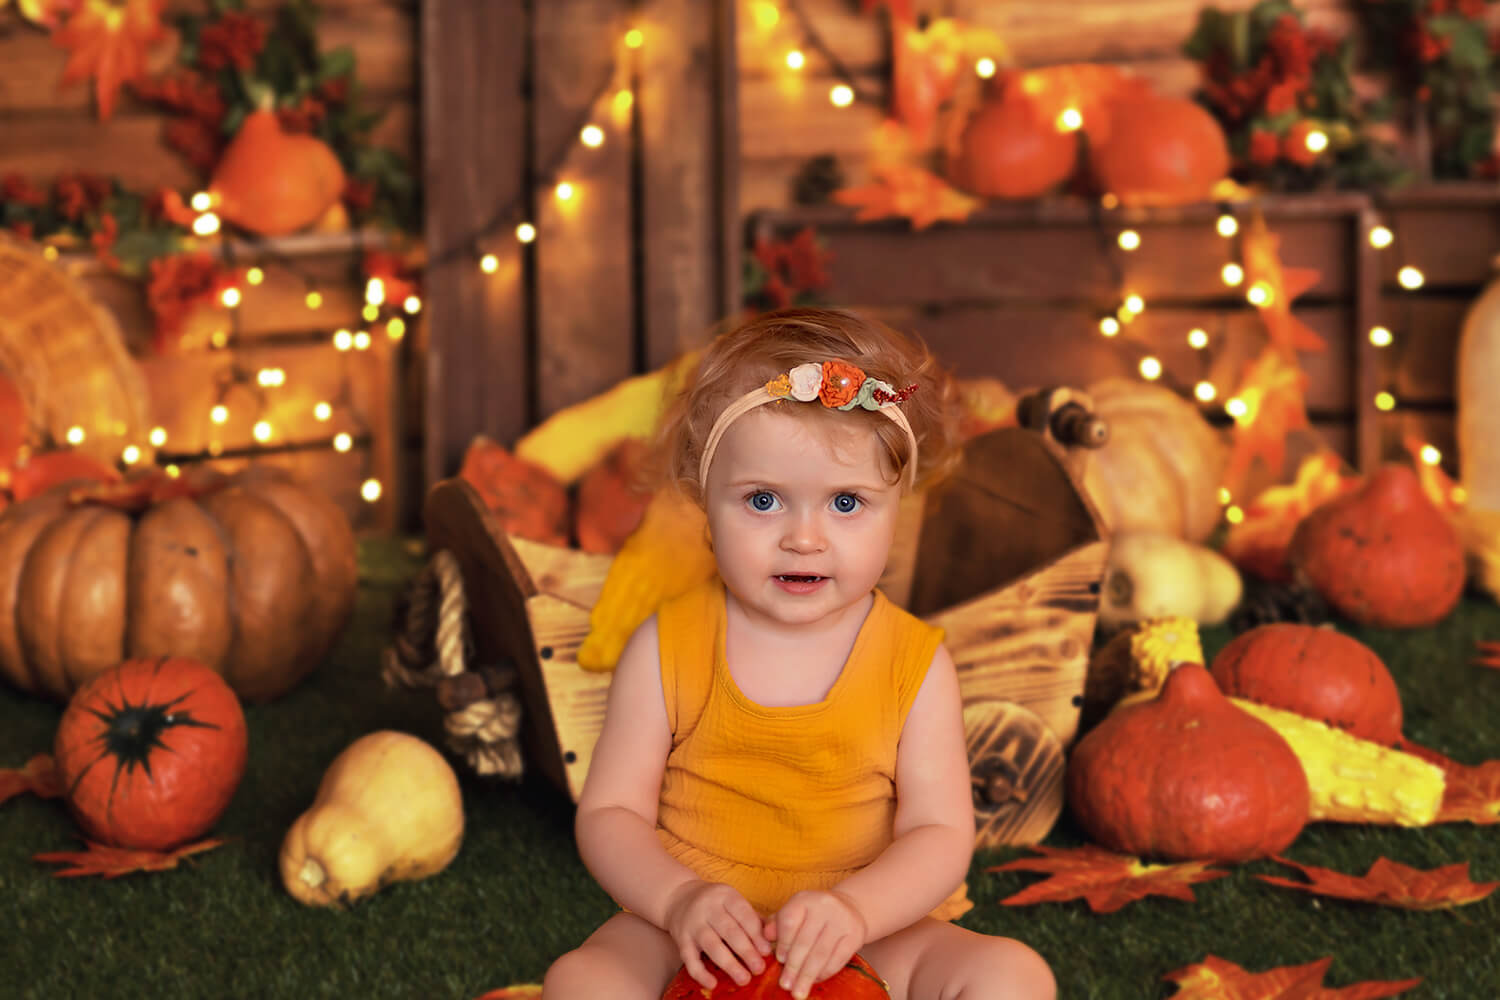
x=274 y=182
x=1010 y=149
x=855 y=981
x=1160 y=150
x=253 y=576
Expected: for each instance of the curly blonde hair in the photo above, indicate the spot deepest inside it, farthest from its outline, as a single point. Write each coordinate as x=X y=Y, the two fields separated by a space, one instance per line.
x=759 y=349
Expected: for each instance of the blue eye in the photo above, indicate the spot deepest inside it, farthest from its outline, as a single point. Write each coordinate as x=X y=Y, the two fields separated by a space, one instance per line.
x=846 y=503
x=763 y=501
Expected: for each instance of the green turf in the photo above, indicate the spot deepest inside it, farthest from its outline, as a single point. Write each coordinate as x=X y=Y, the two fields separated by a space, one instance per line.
x=517 y=895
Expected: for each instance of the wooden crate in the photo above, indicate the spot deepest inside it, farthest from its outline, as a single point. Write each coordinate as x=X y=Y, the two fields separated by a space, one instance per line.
x=1006 y=558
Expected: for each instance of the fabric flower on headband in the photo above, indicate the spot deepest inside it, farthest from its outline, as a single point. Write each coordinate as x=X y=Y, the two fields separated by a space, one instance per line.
x=839 y=385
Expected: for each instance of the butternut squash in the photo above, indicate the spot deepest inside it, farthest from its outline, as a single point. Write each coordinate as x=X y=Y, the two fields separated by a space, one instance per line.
x=387 y=810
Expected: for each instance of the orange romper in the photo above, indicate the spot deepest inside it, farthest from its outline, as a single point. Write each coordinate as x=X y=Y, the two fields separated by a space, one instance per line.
x=774 y=800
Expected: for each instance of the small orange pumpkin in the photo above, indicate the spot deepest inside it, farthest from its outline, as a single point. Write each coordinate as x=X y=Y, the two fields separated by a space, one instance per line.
x=274 y=182
x=1160 y=150
x=1010 y=149
x=855 y=981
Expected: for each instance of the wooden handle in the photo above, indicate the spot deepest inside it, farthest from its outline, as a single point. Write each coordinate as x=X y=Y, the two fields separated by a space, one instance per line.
x=1056 y=411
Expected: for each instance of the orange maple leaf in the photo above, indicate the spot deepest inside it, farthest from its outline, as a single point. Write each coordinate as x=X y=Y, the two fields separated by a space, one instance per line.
x=1259 y=542
x=1391 y=883
x=1470 y=793
x=1106 y=880
x=1273 y=392
x=907 y=191
x=1280 y=285
x=1445 y=494
x=112 y=862
x=108 y=41
x=1216 y=978
x=37 y=776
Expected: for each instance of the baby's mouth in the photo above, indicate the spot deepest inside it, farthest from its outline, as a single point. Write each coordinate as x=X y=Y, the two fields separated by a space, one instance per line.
x=798 y=578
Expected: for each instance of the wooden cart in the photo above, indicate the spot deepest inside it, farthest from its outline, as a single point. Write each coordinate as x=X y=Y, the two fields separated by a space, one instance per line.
x=1006 y=557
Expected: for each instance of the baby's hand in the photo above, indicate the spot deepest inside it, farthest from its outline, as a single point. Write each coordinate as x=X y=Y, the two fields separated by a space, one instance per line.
x=816 y=933
x=714 y=919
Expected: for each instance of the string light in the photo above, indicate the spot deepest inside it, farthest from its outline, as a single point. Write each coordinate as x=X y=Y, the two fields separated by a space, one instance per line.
x=314 y=299
x=1410 y=278
x=1431 y=455
x=157 y=437
x=206 y=224
x=254 y=276
x=322 y=411
x=592 y=136
x=1232 y=274
x=412 y=305
x=1259 y=294
x=634 y=39
x=342 y=441
x=1317 y=141
x=1381 y=237
x=1227 y=225
x=362 y=340
x=795 y=59
x=985 y=68
x=75 y=435
x=525 y=232
x=219 y=339
x=173 y=471
x=1071 y=120
x=1233 y=514
x=374 y=291
x=1384 y=401
x=489 y=263
x=262 y=431
x=622 y=101
x=49 y=252
x=1129 y=239
x=219 y=414
x=1134 y=304
x=270 y=377
x=1380 y=336
x=370 y=490
x=1150 y=368
x=230 y=297
x=1236 y=407
x=395 y=328
x=1224 y=495
x=1205 y=392
x=370 y=313
x=564 y=191
x=1109 y=326
x=1198 y=338
x=201 y=201
x=766 y=15
x=130 y=455
x=343 y=340
x=842 y=95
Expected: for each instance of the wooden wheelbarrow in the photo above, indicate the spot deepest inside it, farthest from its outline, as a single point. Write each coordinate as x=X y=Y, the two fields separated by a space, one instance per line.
x=1007 y=557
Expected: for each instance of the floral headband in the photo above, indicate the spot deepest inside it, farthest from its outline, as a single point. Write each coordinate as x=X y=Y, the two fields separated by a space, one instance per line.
x=838 y=385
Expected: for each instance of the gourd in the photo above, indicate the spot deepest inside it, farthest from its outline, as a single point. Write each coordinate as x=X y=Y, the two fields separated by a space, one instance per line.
x=1316 y=672
x=253 y=576
x=1383 y=554
x=1161 y=468
x=1136 y=660
x=1161 y=150
x=274 y=182
x=1010 y=149
x=150 y=752
x=1477 y=373
x=1187 y=776
x=387 y=810
x=1151 y=575
x=855 y=981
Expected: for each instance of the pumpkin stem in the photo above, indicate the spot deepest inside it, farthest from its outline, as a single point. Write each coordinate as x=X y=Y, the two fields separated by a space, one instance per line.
x=1119 y=588
x=312 y=873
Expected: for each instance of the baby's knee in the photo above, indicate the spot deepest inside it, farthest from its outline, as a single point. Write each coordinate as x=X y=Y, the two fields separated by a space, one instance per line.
x=588 y=973
x=1026 y=973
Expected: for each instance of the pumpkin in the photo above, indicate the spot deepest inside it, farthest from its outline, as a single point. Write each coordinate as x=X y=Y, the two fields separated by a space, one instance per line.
x=855 y=981
x=1382 y=554
x=1161 y=150
x=1316 y=672
x=253 y=576
x=275 y=182
x=1187 y=776
x=150 y=752
x=1160 y=471
x=1009 y=149
x=387 y=810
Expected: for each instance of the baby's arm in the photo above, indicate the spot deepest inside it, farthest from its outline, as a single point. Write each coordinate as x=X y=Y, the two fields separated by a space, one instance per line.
x=616 y=827
x=934 y=840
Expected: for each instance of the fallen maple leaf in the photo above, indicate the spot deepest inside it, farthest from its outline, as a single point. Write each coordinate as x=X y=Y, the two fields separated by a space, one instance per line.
x=512 y=992
x=1216 y=978
x=1106 y=880
x=910 y=192
x=112 y=862
x=1273 y=392
x=108 y=41
x=1470 y=793
x=1391 y=883
x=1259 y=542
x=38 y=776
x=1280 y=285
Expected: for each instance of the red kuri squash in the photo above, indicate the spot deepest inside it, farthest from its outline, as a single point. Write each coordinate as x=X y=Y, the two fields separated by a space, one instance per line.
x=855 y=981
x=150 y=753
x=1316 y=672
x=1010 y=149
x=1187 y=776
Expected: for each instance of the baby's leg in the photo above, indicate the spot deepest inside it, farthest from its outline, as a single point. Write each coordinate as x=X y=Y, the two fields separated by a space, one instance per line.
x=628 y=957
x=933 y=960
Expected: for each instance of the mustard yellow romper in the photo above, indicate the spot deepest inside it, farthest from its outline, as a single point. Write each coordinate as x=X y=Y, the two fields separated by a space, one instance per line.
x=775 y=800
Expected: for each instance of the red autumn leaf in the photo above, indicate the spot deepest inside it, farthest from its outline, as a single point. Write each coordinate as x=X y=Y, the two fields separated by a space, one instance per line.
x=910 y=192
x=1274 y=396
x=1281 y=285
x=526 y=991
x=1470 y=793
x=1216 y=978
x=1487 y=653
x=135 y=495
x=112 y=862
x=1259 y=542
x=38 y=776
x=1445 y=494
x=1106 y=880
x=1391 y=883
x=108 y=41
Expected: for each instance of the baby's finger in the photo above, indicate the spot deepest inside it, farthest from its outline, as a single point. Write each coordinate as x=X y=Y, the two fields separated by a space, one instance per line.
x=789 y=921
x=814 y=965
x=719 y=952
x=744 y=915
x=739 y=942
x=692 y=961
x=797 y=971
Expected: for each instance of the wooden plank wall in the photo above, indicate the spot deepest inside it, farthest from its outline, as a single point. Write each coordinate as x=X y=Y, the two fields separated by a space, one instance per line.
x=636 y=265
x=46 y=130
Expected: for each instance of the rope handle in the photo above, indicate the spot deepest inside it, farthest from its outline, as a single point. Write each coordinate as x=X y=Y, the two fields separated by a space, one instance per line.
x=433 y=648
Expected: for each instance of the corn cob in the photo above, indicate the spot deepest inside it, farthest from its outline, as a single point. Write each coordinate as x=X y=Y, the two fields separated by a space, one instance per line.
x=1137 y=659
x=1353 y=780
x=667 y=555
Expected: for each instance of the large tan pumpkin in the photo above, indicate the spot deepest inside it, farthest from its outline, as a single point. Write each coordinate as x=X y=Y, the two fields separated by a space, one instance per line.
x=1160 y=470
x=254 y=576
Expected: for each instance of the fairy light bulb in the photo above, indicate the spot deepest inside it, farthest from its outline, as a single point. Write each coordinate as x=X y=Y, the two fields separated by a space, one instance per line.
x=1070 y=120
x=206 y=224
x=1232 y=274
x=375 y=291
x=412 y=305
x=1384 y=401
x=1205 y=392
x=157 y=437
x=362 y=340
x=1233 y=514
x=623 y=101
x=842 y=95
x=395 y=328
x=130 y=455
x=1259 y=294
x=201 y=201
x=49 y=252
x=262 y=431
x=1109 y=326
x=370 y=490
x=219 y=414
x=343 y=340
x=985 y=68
x=370 y=313
x=1197 y=338
x=1236 y=407
x=254 y=276
x=795 y=59
x=75 y=435
x=323 y=410
x=1410 y=278
x=1150 y=368
x=634 y=39
x=765 y=14
x=219 y=338
x=564 y=191
x=342 y=441
x=1381 y=237
x=173 y=471
x=1380 y=336
x=1316 y=141
x=592 y=136
x=1431 y=455
x=1128 y=239
x=489 y=263
x=314 y=299
x=230 y=297
x=1224 y=495
x=525 y=232
x=1134 y=304
x=1227 y=225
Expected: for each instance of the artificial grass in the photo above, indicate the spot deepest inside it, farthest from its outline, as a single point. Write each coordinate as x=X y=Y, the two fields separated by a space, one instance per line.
x=516 y=896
